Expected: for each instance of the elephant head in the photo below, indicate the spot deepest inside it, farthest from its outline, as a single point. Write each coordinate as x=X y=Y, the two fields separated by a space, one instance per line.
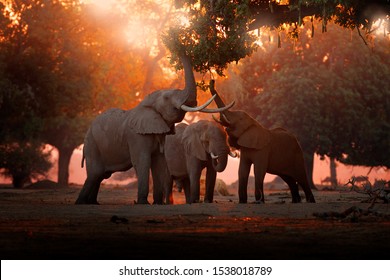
x=243 y=130
x=160 y=110
x=205 y=140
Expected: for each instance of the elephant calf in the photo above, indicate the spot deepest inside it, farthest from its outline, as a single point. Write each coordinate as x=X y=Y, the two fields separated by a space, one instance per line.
x=193 y=148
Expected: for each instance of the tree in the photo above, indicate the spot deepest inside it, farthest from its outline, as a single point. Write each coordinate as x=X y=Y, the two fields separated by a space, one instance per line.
x=23 y=162
x=47 y=54
x=331 y=91
x=70 y=64
x=218 y=31
x=21 y=158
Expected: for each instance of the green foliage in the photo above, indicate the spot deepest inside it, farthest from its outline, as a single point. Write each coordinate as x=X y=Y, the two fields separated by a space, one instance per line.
x=217 y=32
x=331 y=91
x=48 y=59
x=216 y=35
x=46 y=67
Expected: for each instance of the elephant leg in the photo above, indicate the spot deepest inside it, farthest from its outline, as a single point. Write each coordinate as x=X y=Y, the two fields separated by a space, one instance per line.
x=168 y=196
x=260 y=171
x=161 y=179
x=194 y=168
x=211 y=177
x=95 y=175
x=186 y=187
x=142 y=167
x=243 y=174
x=89 y=192
x=292 y=184
x=303 y=182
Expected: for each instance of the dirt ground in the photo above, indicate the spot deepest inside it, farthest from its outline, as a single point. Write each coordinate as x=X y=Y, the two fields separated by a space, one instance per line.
x=44 y=223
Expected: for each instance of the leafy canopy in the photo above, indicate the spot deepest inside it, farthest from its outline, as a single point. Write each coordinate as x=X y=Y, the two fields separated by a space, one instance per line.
x=218 y=32
x=331 y=92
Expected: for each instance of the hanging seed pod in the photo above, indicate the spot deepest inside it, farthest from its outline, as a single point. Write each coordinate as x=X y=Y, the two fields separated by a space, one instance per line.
x=312 y=28
x=324 y=19
x=279 y=41
x=271 y=7
x=299 y=14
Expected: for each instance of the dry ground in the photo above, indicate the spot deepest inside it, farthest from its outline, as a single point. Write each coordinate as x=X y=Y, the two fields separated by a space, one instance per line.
x=45 y=224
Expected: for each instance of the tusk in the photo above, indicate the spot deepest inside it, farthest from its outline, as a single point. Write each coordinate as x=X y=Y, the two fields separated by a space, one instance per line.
x=218 y=110
x=215 y=119
x=225 y=119
x=199 y=108
x=233 y=155
x=214 y=156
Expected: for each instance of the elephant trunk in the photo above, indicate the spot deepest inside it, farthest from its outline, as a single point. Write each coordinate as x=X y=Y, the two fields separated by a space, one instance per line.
x=218 y=100
x=220 y=162
x=190 y=91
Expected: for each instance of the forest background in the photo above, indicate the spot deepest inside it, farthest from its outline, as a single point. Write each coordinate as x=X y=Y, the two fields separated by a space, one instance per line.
x=64 y=62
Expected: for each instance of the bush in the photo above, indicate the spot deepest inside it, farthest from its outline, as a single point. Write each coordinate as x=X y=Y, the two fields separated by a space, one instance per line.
x=23 y=162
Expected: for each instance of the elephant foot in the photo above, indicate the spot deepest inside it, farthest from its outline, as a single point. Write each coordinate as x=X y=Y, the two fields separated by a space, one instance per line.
x=310 y=199
x=80 y=201
x=297 y=199
x=259 y=202
x=158 y=203
x=194 y=200
x=86 y=202
x=142 y=201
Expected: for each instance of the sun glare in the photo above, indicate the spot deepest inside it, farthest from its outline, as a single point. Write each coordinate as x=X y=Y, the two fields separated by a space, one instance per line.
x=381 y=26
x=102 y=5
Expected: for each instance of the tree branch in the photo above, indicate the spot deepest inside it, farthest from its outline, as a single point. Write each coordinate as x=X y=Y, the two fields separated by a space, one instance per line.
x=279 y=14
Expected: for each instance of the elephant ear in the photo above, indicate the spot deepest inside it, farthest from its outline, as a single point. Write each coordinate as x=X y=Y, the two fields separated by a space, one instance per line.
x=255 y=137
x=145 y=120
x=192 y=142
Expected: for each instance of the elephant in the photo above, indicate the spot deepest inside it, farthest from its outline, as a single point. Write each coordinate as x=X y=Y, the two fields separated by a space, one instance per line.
x=273 y=151
x=195 y=147
x=120 y=139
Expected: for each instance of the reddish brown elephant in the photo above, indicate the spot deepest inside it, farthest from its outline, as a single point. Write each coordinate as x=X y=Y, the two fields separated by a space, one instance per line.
x=270 y=151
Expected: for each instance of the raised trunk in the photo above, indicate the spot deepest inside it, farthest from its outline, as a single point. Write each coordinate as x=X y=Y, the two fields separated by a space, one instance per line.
x=190 y=84
x=220 y=103
x=64 y=155
x=218 y=100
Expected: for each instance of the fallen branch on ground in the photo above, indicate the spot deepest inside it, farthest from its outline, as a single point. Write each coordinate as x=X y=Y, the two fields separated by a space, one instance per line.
x=379 y=190
x=352 y=214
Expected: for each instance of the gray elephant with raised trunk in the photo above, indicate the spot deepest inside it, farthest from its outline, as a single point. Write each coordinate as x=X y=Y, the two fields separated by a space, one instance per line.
x=195 y=147
x=120 y=139
x=270 y=151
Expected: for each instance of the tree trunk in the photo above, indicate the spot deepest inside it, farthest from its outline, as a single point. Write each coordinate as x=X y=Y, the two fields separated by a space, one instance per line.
x=333 y=173
x=150 y=71
x=19 y=179
x=309 y=162
x=64 y=155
